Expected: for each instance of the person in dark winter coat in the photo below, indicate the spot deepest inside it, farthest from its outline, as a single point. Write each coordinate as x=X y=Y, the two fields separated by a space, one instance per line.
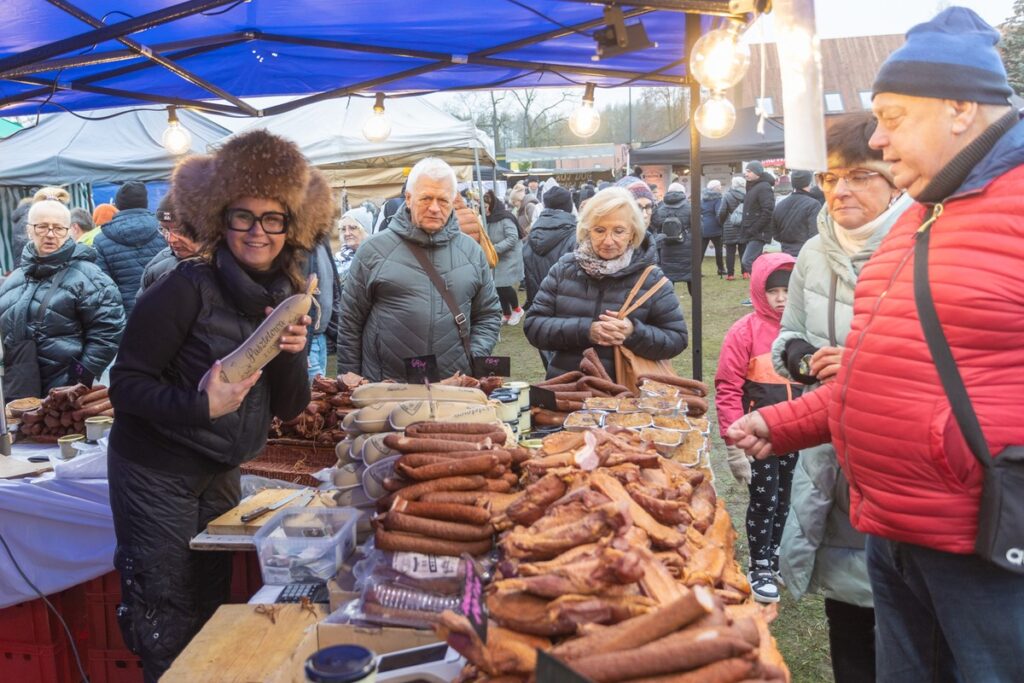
x=731 y=234
x=710 y=228
x=175 y=449
x=795 y=220
x=758 y=205
x=670 y=226
x=181 y=244
x=83 y=319
x=578 y=301
x=392 y=311
x=129 y=241
x=553 y=236
x=19 y=237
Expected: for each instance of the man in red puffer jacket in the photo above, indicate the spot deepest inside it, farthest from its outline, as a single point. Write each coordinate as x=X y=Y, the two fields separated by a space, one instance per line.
x=956 y=145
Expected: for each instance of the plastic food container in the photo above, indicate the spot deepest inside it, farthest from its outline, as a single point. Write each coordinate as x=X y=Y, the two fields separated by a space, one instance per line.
x=629 y=420
x=629 y=405
x=679 y=422
x=658 y=405
x=601 y=403
x=649 y=387
x=305 y=544
x=582 y=420
x=375 y=474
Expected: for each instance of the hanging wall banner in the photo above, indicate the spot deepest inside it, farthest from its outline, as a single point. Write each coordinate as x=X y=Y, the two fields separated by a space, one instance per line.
x=802 y=96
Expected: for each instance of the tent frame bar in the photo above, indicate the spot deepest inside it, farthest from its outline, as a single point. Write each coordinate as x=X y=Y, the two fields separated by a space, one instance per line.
x=97 y=36
x=156 y=57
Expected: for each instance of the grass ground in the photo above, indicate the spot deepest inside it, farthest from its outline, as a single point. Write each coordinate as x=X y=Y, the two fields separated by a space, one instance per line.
x=800 y=628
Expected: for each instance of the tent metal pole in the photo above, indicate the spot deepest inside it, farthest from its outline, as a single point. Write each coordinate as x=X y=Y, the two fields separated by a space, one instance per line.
x=111 y=32
x=113 y=92
x=480 y=187
x=153 y=56
x=688 y=6
x=696 y=239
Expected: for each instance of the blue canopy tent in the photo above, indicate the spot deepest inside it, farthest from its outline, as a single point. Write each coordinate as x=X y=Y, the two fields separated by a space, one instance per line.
x=212 y=54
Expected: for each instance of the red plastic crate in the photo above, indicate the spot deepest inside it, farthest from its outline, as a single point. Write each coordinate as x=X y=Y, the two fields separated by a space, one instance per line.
x=32 y=623
x=23 y=663
x=104 y=632
x=114 y=666
x=246 y=577
x=107 y=586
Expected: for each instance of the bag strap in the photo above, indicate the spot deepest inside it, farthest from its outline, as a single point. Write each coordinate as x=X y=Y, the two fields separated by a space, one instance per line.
x=832 y=309
x=54 y=286
x=435 y=278
x=952 y=381
x=642 y=300
x=632 y=293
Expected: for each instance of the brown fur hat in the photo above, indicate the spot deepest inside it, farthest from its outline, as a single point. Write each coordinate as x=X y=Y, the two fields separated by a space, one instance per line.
x=256 y=164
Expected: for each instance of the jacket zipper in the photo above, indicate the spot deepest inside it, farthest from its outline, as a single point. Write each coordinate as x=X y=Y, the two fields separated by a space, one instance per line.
x=851 y=479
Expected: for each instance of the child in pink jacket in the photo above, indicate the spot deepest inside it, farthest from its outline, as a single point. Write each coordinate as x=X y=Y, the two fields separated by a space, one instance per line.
x=746 y=381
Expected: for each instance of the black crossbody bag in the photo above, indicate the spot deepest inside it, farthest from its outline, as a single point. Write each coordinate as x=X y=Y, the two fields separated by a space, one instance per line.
x=1000 y=538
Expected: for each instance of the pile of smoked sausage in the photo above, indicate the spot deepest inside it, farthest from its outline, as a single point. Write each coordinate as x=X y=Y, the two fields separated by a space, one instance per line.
x=320 y=422
x=448 y=482
x=64 y=410
x=573 y=388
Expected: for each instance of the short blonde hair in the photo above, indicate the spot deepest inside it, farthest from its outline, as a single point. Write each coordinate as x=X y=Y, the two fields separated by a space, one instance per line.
x=610 y=200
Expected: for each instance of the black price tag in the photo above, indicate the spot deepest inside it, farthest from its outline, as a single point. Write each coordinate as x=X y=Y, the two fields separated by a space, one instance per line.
x=485 y=366
x=553 y=670
x=421 y=369
x=542 y=398
x=79 y=374
x=472 y=604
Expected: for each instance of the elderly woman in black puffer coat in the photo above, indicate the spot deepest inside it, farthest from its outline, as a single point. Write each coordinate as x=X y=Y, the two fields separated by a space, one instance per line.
x=578 y=301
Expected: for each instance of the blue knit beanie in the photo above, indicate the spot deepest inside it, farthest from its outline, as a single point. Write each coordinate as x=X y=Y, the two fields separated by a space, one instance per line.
x=951 y=57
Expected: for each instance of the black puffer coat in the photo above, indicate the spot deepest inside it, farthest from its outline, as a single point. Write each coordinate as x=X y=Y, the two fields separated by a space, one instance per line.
x=164 y=262
x=19 y=238
x=552 y=236
x=570 y=300
x=673 y=253
x=795 y=221
x=758 y=205
x=730 y=200
x=83 y=320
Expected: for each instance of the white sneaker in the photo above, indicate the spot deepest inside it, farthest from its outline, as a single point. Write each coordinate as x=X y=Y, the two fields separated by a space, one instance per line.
x=516 y=316
x=763 y=586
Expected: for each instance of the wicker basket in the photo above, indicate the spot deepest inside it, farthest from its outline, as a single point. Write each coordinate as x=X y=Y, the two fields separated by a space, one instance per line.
x=292 y=460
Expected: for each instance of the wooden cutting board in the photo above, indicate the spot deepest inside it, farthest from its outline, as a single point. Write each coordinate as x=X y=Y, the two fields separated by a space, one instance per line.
x=230 y=523
x=222 y=651
x=13 y=468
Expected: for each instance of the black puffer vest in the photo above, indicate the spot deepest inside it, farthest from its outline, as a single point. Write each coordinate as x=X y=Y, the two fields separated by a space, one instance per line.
x=232 y=308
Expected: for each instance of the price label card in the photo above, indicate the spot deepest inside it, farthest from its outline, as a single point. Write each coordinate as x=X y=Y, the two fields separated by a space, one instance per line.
x=421 y=369
x=79 y=374
x=472 y=604
x=485 y=366
x=542 y=398
x=550 y=669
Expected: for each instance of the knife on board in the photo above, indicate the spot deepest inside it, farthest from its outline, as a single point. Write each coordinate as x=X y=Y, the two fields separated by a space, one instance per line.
x=260 y=511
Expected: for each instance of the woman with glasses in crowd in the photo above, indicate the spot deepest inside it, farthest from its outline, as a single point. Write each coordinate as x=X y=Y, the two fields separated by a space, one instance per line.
x=62 y=300
x=821 y=552
x=257 y=209
x=181 y=244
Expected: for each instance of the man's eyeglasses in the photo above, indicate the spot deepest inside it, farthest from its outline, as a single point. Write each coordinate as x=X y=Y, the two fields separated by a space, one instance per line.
x=272 y=222
x=855 y=180
x=42 y=229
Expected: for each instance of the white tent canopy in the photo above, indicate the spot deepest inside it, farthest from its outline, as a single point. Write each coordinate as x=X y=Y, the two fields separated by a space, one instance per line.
x=65 y=149
x=329 y=133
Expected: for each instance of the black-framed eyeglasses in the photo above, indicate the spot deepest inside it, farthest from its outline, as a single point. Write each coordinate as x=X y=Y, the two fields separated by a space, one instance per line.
x=242 y=220
x=647 y=208
x=856 y=180
x=41 y=229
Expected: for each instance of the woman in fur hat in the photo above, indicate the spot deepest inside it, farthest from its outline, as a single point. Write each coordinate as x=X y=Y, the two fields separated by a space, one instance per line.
x=256 y=208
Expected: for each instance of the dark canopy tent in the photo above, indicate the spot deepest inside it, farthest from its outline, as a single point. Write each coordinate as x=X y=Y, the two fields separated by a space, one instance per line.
x=743 y=143
x=211 y=54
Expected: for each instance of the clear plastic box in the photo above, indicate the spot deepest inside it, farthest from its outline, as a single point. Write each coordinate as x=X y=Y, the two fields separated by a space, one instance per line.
x=306 y=544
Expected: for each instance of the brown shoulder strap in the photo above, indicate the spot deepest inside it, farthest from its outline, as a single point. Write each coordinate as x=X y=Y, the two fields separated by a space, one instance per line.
x=647 y=295
x=632 y=293
x=461 y=324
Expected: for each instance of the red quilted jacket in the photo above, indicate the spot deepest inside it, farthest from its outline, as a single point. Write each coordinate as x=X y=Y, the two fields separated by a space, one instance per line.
x=912 y=476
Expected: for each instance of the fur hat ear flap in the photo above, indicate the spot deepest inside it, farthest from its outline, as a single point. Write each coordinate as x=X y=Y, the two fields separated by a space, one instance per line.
x=255 y=164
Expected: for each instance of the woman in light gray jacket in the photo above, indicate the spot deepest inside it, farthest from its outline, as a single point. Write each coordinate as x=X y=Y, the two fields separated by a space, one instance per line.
x=821 y=551
x=503 y=230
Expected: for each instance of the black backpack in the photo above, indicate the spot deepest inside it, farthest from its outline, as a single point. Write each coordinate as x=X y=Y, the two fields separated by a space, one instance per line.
x=672 y=228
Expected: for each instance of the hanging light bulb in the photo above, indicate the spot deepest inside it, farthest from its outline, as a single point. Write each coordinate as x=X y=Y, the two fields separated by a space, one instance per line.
x=715 y=117
x=176 y=138
x=377 y=126
x=719 y=60
x=585 y=121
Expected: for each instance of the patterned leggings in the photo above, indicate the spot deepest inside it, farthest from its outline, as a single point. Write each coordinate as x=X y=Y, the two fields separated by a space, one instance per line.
x=770 y=485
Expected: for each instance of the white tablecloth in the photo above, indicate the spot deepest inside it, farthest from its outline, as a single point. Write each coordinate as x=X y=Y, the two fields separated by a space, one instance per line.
x=60 y=531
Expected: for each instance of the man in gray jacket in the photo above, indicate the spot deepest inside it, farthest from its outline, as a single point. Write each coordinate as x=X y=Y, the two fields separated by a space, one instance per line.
x=390 y=308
